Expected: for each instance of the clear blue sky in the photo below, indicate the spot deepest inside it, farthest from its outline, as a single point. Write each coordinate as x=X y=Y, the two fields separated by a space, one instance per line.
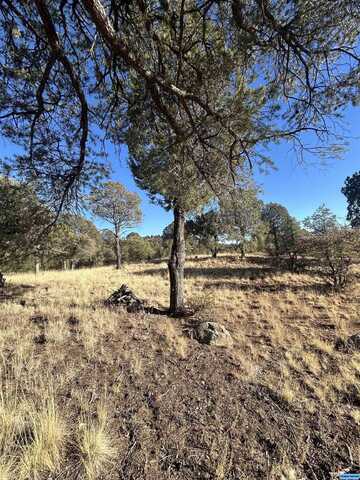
x=300 y=188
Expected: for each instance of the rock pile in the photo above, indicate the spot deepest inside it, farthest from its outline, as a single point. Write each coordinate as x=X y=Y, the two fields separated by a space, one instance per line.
x=124 y=297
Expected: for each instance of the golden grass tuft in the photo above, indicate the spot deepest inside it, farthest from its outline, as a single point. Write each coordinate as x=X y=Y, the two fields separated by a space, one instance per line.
x=7 y=470
x=44 y=446
x=97 y=449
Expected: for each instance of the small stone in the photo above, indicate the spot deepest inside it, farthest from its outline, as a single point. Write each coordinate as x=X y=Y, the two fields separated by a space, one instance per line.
x=72 y=320
x=40 y=339
x=212 y=333
x=351 y=344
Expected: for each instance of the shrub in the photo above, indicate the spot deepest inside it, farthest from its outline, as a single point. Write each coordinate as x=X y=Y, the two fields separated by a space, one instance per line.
x=335 y=251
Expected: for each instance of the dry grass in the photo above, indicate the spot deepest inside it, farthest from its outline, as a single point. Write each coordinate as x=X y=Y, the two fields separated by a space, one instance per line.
x=116 y=395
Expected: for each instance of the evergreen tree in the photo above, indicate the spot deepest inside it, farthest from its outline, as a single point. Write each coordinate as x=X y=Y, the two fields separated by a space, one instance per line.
x=208 y=229
x=321 y=221
x=23 y=224
x=68 y=69
x=351 y=190
x=241 y=215
x=283 y=229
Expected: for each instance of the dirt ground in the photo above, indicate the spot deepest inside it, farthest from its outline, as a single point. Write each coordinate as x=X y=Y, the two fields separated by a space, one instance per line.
x=96 y=393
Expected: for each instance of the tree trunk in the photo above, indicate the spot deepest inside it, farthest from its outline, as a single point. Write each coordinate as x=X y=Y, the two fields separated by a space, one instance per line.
x=276 y=243
x=117 y=249
x=37 y=266
x=242 y=251
x=176 y=263
x=214 y=252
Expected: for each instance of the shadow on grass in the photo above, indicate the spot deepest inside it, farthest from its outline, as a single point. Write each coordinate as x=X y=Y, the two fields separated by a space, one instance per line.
x=262 y=268
x=271 y=288
x=217 y=272
x=14 y=292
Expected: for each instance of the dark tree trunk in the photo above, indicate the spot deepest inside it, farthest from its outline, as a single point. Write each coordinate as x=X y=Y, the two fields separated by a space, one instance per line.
x=276 y=243
x=176 y=263
x=117 y=249
x=242 y=251
x=214 y=252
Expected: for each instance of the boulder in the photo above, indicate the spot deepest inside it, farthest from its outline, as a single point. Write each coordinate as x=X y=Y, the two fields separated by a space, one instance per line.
x=124 y=297
x=351 y=344
x=212 y=333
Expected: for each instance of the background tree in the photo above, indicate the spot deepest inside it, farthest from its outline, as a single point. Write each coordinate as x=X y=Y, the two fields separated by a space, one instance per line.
x=207 y=229
x=241 y=215
x=108 y=251
x=282 y=229
x=23 y=221
x=335 y=247
x=321 y=221
x=120 y=208
x=137 y=248
x=73 y=241
x=351 y=190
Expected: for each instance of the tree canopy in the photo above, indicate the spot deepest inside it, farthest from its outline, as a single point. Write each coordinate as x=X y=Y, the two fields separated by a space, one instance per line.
x=23 y=220
x=282 y=229
x=351 y=190
x=208 y=229
x=321 y=221
x=118 y=207
x=71 y=71
x=241 y=214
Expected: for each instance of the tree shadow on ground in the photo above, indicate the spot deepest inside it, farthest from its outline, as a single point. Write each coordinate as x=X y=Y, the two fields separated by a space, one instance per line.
x=262 y=269
x=14 y=292
x=317 y=287
x=217 y=272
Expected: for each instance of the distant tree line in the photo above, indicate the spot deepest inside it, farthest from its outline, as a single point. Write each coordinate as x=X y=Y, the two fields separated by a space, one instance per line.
x=239 y=221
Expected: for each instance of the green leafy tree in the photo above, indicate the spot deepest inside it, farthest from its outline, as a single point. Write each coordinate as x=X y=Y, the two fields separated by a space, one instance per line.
x=282 y=229
x=23 y=224
x=174 y=184
x=351 y=190
x=241 y=215
x=120 y=208
x=74 y=241
x=207 y=229
x=137 y=248
x=321 y=221
x=108 y=251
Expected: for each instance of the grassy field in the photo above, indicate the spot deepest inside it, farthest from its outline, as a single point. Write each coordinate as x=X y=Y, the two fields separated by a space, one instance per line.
x=92 y=393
